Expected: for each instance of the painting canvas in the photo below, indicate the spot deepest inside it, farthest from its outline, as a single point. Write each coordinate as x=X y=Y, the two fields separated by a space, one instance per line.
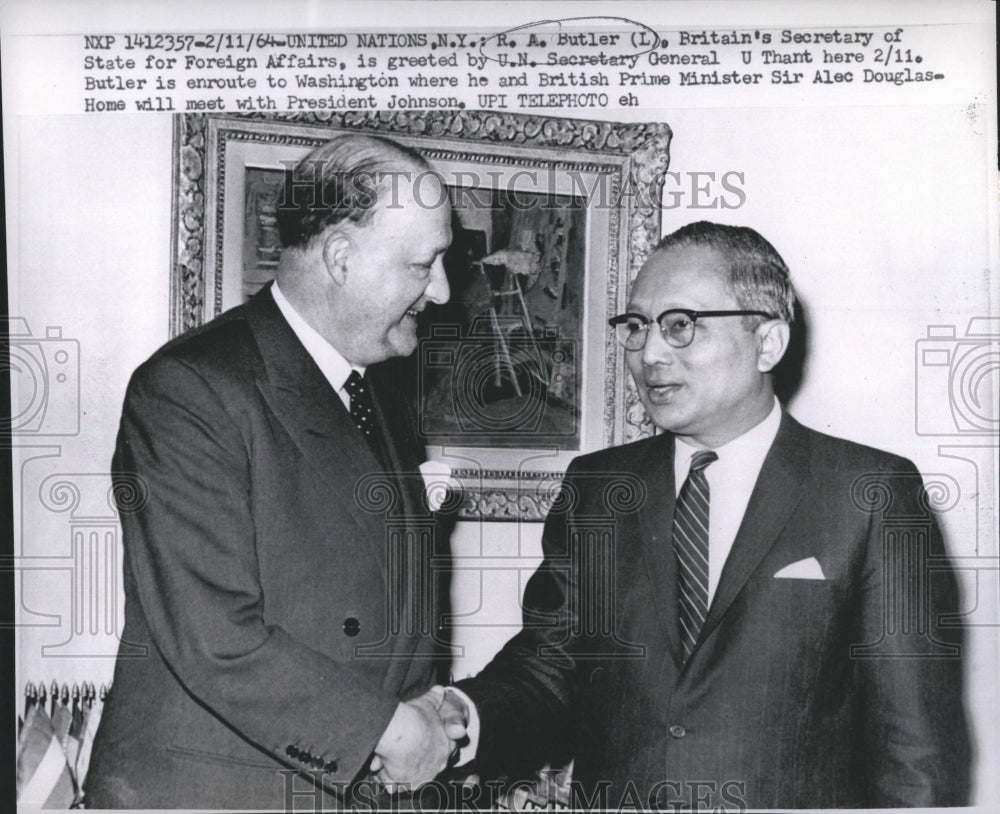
x=500 y=363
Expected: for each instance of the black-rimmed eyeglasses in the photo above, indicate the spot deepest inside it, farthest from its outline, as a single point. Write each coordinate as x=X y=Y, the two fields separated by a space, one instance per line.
x=676 y=325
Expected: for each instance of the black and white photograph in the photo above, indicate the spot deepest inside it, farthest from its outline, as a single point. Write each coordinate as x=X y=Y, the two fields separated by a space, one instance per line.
x=454 y=406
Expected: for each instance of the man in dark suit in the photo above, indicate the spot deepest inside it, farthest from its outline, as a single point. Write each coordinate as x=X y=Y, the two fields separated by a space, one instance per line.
x=276 y=564
x=740 y=611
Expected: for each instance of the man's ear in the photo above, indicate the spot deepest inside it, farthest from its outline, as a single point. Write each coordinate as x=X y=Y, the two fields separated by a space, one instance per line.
x=773 y=336
x=336 y=252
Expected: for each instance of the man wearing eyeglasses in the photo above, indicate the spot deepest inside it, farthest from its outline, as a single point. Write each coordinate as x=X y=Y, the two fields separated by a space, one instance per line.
x=740 y=611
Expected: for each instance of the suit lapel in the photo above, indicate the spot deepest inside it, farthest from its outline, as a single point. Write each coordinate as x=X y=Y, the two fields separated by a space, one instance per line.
x=403 y=451
x=413 y=521
x=320 y=425
x=656 y=524
x=779 y=489
x=314 y=416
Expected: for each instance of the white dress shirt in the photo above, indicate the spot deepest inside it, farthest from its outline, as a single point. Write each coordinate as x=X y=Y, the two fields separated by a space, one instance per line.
x=731 y=481
x=330 y=361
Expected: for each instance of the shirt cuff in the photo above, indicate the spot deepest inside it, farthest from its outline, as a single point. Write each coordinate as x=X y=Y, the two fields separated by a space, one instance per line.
x=467 y=753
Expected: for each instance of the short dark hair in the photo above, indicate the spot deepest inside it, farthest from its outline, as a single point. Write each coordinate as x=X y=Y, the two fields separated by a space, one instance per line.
x=340 y=180
x=758 y=276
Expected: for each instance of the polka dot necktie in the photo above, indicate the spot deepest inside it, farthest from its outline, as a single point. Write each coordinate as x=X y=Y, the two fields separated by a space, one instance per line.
x=362 y=409
x=690 y=540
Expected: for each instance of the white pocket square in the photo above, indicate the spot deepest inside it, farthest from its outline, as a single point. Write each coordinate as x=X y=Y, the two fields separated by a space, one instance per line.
x=808 y=568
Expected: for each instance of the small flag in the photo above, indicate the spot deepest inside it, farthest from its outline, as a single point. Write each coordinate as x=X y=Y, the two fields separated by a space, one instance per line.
x=44 y=779
x=30 y=696
x=71 y=743
x=92 y=717
x=62 y=716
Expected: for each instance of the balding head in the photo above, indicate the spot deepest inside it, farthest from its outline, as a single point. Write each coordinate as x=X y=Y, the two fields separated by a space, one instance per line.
x=342 y=180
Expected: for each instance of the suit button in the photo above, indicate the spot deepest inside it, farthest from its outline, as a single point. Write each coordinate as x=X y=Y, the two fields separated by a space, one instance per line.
x=291 y=751
x=352 y=627
x=331 y=766
x=317 y=763
x=677 y=731
x=305 y=757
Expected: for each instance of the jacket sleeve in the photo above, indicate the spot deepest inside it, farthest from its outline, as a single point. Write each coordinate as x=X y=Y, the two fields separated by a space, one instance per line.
x=524 y=695
x=191 y=549
x=910 y=665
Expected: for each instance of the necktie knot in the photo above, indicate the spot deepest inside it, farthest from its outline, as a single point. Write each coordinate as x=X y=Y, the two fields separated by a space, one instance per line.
x=355 y=384
x=702 y=458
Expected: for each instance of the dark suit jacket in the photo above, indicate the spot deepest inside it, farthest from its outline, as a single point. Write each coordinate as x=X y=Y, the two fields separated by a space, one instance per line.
x=839 y=692
x=275 y=574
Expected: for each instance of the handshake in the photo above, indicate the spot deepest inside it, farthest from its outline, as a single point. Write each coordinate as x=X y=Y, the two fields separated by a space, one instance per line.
x=421 y=741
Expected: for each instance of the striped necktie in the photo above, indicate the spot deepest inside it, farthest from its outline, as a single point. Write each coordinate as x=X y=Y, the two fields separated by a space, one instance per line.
x=690 y=540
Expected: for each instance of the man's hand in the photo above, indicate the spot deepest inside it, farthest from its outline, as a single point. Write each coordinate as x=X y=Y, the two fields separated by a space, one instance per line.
x=454 y=716
x=420 y=740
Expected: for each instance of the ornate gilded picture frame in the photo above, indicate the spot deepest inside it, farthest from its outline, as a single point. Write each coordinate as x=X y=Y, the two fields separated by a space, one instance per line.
x=519 y=372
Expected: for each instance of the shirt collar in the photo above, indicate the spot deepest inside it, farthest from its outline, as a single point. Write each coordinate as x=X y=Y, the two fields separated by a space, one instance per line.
x=754 y=443
x=330 y=361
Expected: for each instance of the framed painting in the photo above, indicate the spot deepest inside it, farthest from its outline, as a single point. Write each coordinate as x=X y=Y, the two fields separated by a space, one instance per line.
x=552 y=217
